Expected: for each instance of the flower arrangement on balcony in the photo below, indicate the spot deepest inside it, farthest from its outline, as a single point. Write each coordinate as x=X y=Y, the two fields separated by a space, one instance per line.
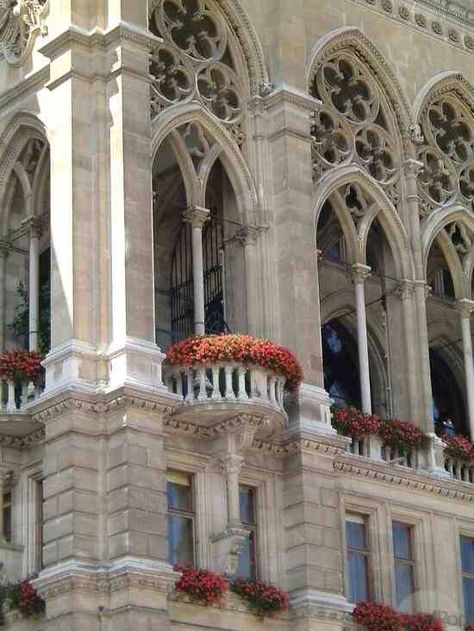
x=353 y=423
x=460 y=448
x=20 y=366
x=262 y=599
x=402 y=435
x=202 y=586
x=243 y=349
x=372 y=616
x=22 y=597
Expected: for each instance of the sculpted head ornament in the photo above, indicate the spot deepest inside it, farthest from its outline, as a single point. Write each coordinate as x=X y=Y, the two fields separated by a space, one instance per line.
x=20 y=22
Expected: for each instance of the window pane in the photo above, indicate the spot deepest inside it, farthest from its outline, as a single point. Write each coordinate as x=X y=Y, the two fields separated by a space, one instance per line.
x=404 y=587
x=468 y=585
x=401 y=541
x=247 y=562
x=180 y=538
x=357 y=566
x=467 y=554
x=355 y=534
x=247 y=505
x=179 y=497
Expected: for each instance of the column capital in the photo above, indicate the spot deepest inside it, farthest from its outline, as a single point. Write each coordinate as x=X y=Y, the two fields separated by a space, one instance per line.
x=196 y=216
x=465 y=307
x=248 y=235
x=412 y=167
x=33 y=226
x=8 y=478
x=405 y=289
x=359 y=273
x=232 y=464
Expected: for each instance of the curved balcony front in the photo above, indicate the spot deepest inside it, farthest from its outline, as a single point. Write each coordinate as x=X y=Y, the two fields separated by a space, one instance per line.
x=215 y=393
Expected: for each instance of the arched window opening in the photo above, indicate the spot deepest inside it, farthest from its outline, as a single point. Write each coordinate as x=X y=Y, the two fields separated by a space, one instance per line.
x=448 y=401
x=180 y=227
x=341 y=370
x=439 y=275
x=26 y=260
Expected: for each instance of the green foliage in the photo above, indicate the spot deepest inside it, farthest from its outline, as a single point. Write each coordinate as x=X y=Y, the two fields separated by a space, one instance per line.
x=20 y=323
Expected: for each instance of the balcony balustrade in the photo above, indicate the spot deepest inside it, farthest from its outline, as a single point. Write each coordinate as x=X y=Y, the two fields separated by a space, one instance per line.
x=214 y=392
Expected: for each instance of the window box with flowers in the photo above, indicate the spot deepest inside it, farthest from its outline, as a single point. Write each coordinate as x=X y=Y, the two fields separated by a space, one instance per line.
x=222 y=371
x=372 y=616
x=262 y=599
x=22 y=373
x=20 y=598
x=201 y=586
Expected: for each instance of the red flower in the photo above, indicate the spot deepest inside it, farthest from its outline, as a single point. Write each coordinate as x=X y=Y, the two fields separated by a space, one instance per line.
x=351 y=422
x=459 y=448
x=20 y=365
x=245 y=349
x=263 y=600
x=379 y=617
x=202 y=586
x=404 y=435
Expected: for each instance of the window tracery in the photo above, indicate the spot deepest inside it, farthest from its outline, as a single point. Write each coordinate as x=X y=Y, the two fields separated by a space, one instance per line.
x=447 y=155
x=194 y=60
x=350 y=124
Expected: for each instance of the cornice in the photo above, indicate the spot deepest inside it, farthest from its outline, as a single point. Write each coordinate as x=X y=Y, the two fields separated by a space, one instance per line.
x=23 y=442
x=29 y=85
x=436 y=18
x=404 y=478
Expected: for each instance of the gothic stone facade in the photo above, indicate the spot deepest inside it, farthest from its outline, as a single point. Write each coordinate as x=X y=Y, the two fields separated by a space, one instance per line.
x=325 y=147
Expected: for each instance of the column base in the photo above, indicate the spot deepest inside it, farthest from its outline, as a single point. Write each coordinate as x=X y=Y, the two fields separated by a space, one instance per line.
x=312 y=411
x=318 y=611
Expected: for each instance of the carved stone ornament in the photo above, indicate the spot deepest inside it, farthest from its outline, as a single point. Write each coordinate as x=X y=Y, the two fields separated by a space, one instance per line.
x=195 y=60
x=350 y=125
x=448 y=153
x=20 y=22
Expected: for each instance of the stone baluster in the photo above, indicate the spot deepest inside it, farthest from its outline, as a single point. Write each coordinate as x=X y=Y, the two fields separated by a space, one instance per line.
x=216 y=392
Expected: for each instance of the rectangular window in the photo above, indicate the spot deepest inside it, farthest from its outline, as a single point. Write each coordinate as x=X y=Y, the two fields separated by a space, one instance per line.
x=7 y=516
x=467 y=563
x=248 y=517
x=404 y=566
x=38 y=486
x=358 y=558
x=180 y=518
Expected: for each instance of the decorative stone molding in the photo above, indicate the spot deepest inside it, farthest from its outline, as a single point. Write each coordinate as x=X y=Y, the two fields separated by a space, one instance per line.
x=408 y=479
x=21 y=21
x=23 y=442
x=226 y=549
x=429 y=21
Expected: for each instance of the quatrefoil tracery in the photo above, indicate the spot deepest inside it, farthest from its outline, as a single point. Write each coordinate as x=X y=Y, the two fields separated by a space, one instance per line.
x=448 y=155
x=194 y=61
x=350 y=124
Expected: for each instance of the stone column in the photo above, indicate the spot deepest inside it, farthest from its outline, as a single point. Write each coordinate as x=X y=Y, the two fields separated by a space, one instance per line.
x=248 y=237
x=33 y=293
x=294 y=278
x=3 y=256
x=232 y=465
x=406 y=292
x=359 y=275
x=197 y=217
x=466 y=307
x=2 y=491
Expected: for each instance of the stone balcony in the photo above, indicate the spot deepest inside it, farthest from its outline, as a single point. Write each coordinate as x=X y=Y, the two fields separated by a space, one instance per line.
x=215 y=393
x=15 y=420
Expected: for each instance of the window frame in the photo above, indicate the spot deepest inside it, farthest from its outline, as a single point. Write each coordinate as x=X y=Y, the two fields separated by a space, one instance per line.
x=367 y=553
x=7 y=505
x=189 y=514
x=462 y=573
x=411 y=562
x=253 y=528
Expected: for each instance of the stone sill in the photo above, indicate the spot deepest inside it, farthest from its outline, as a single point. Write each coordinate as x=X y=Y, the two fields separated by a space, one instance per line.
x=231 y=614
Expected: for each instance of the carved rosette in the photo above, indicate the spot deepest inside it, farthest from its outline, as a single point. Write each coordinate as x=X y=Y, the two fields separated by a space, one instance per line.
x=195 y=60
x=447 y=155
x=350 y=126
x=21 y=21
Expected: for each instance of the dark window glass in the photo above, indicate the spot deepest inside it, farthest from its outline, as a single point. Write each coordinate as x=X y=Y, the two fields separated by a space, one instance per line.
x=39 y=524
x=448 y=401
x=404 y=566
x=7 y=517
x=180 y=519
x=357 y=559
x=467 y=562
x=248 y=517
x=341 y=372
